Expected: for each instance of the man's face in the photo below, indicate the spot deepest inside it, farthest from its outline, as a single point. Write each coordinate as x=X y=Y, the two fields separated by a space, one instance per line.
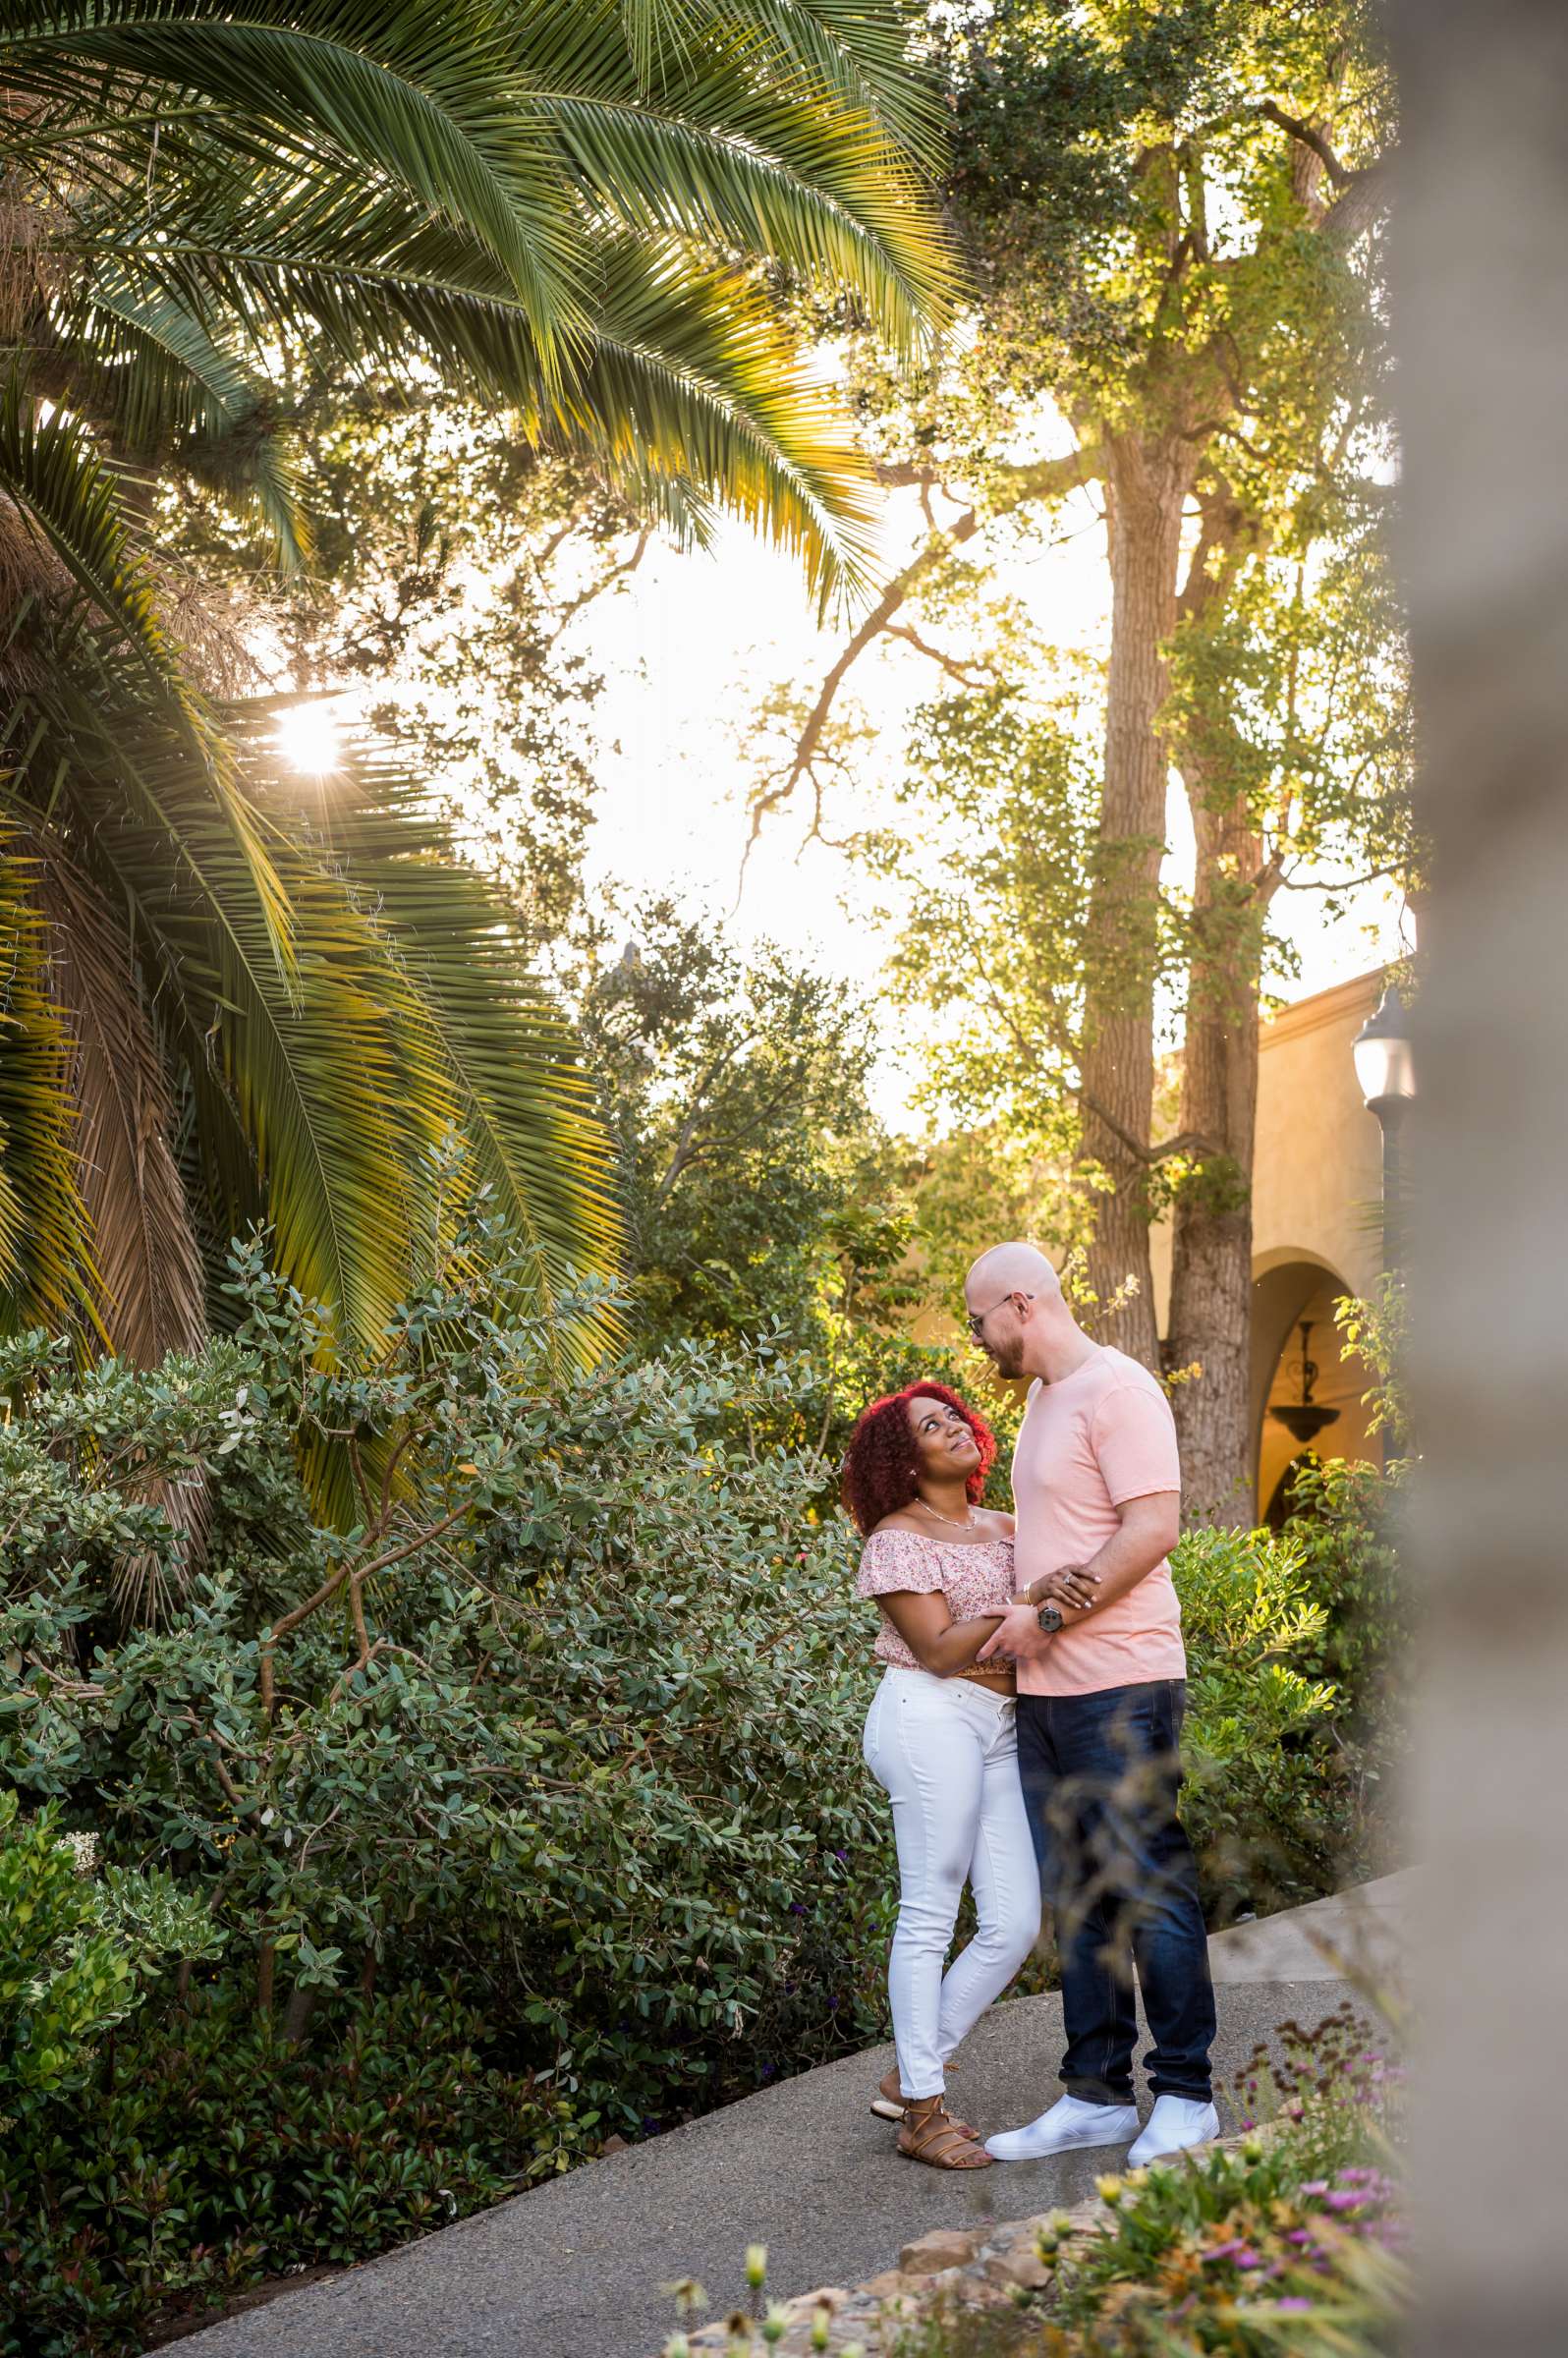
x=998 y=1328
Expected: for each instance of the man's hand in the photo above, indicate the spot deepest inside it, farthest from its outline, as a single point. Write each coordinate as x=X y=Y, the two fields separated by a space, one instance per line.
x=1019 y=1637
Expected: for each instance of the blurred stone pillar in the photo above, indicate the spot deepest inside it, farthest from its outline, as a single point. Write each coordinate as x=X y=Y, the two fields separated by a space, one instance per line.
x=1480 y=293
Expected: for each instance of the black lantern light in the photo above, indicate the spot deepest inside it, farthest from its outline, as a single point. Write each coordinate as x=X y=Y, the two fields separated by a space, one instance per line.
x=1305 y=1419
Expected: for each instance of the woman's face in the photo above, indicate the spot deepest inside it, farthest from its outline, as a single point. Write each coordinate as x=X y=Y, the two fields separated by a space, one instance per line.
x=943 y=1443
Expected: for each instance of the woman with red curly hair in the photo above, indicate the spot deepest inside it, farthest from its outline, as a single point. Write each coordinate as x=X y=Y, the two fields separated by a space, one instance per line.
x=941 y=1740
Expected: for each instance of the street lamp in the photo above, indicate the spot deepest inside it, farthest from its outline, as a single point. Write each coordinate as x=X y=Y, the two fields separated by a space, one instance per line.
x=1386 y=1071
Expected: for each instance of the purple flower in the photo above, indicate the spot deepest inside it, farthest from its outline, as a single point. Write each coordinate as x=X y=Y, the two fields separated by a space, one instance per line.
x=1296 y=2303
x=1314 y=2186
x=1346 y=2199
x=1245 y=2259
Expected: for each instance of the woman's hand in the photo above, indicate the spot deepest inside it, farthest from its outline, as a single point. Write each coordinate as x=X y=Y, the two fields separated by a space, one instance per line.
x=1071 y=1588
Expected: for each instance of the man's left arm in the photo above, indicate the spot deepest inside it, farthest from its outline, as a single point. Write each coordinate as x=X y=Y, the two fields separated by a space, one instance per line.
x=1147 y=1529
x=1150 y=1528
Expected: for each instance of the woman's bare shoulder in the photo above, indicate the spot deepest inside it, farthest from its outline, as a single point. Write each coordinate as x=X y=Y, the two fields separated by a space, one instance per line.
x=902 y=1518
x=999 y=1525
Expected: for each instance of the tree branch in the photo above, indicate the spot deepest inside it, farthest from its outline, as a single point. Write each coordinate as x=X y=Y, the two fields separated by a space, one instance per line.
x=596 y=590
x=1044 y=478
x=966 y=674
x=1353 y=214
x=1311 y=137
x=774 y=795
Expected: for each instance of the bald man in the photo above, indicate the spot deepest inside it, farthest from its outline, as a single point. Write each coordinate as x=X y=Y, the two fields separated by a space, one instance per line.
x=1096 y=1631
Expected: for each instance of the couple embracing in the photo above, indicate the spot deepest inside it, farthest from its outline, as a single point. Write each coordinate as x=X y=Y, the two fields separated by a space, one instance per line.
x=1027 y=1724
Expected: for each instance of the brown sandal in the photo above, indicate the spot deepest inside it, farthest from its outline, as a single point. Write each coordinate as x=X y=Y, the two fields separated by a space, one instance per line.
x=891 y=2103
x=929 y=2134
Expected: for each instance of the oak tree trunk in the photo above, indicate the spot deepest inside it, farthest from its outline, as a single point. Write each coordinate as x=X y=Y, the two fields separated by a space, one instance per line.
x=1147 y=483
x=1211 y=1247
x=1480 y=318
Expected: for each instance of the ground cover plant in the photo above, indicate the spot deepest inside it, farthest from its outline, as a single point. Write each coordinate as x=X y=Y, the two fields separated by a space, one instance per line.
x=1287 y=2240
x=1291 y=2240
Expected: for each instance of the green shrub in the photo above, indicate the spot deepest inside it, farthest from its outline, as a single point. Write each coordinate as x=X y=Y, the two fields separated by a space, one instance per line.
x=63 y=1977
x=73 y=1948
x=200 y=2151
x=568 y=1699
x=1261 y=1800
x=558 y=1703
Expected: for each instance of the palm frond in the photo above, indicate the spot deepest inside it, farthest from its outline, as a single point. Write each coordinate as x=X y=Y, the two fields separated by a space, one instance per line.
x=46 y=1273
x=418 y=93
x=157 y=380
x=476 y=176
x=67 y=501
x=523 y=1104
x=148 y=1274
x=857 y=53
x=691 y=382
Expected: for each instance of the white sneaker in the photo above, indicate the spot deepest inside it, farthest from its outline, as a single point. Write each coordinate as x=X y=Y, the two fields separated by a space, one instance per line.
x=1069 y=2123
x=1176 y=2123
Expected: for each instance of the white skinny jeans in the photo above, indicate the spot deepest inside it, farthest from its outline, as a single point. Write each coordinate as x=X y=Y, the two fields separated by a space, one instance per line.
x=946 y=1752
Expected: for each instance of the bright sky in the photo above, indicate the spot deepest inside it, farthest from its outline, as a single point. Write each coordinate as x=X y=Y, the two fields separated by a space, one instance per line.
x=690 y=647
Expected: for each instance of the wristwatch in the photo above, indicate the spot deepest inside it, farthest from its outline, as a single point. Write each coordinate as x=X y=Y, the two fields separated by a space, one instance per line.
x=1049 y=1619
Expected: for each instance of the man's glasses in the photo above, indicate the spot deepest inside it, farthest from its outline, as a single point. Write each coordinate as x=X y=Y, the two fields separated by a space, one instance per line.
x=977 y=1317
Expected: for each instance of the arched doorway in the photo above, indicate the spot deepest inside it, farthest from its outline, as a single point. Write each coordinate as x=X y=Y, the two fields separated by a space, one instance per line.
x=1297 y=1290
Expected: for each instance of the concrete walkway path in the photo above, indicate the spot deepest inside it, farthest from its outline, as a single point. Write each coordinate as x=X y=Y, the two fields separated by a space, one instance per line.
x=573 y=2269
x=1356 y=1935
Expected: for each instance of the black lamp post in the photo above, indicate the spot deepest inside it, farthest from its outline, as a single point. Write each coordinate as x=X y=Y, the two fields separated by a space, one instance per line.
x=1385 y=1069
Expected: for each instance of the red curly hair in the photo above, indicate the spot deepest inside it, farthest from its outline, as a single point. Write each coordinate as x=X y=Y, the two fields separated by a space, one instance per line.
x=880 y=1462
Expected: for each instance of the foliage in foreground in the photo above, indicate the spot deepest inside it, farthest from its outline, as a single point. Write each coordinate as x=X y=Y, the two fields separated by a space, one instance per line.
x=1288 y=2246
x=1291 y=2242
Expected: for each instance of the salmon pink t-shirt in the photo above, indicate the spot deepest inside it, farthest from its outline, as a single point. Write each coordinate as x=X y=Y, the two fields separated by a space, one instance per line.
x=1087 y=1444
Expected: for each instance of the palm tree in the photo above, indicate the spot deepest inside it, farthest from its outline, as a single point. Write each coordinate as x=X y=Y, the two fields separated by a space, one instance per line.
x=222 y=1007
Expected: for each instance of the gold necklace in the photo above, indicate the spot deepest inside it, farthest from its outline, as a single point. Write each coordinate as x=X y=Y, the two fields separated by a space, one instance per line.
x=968 y=1522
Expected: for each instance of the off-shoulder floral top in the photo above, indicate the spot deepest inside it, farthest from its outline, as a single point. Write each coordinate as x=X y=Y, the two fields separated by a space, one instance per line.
x=975 y=1578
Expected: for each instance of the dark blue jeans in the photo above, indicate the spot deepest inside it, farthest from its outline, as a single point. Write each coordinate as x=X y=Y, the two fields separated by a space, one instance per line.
x=1100 y=1776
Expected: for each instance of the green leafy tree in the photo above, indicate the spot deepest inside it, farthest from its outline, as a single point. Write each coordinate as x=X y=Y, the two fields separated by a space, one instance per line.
x=236 y=1005
x=456 y=577
x=762 y=1197
x=1172 y=214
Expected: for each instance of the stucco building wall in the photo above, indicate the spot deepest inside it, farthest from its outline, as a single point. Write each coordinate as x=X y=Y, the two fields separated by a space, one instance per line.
x=1316 y=1184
